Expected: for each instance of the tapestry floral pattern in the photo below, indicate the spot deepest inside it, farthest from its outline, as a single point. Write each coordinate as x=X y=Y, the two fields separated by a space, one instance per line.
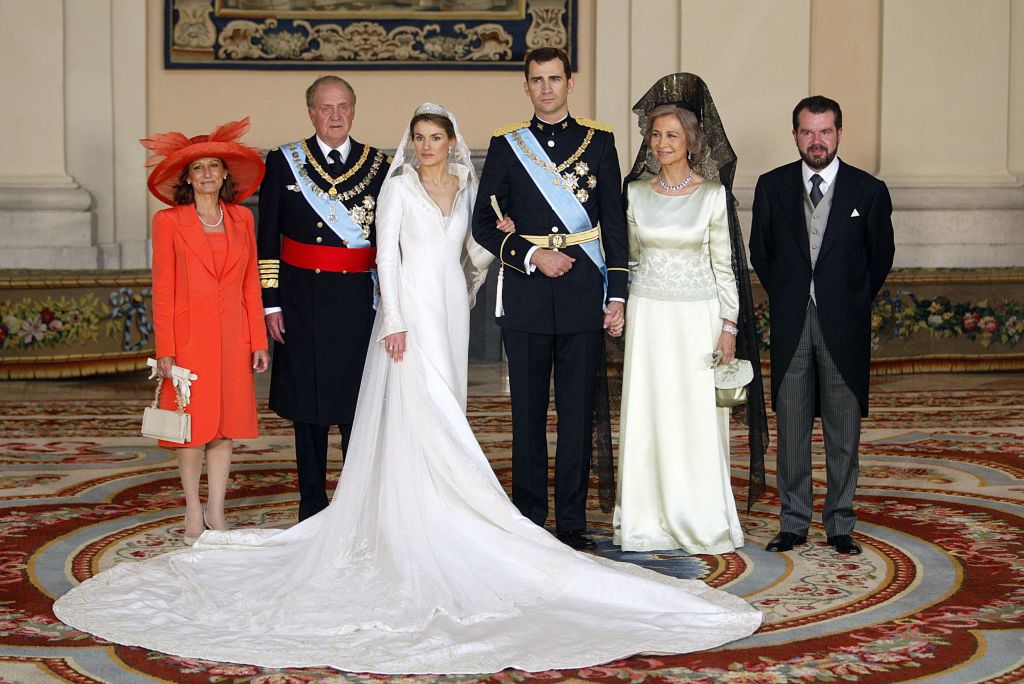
x=900 y=315
x=466 y=34
x=31 y=323
x=50 y=321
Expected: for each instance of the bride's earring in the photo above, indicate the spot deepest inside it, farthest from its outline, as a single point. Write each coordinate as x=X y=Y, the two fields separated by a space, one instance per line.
x=449 y=151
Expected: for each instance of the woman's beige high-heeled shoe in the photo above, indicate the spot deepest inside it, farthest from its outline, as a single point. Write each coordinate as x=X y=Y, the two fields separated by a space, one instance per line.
x=209 y=526
x=189 y=541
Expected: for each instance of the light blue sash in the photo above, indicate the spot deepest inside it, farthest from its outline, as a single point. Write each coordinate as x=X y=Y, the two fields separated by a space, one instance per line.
x=332 y=211
x=562 y=199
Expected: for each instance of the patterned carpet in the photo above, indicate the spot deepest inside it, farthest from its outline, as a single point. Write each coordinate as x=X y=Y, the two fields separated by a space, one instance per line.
x=937 y=596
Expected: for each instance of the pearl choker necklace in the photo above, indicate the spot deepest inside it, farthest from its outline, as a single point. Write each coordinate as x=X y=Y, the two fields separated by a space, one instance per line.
x=677 y=186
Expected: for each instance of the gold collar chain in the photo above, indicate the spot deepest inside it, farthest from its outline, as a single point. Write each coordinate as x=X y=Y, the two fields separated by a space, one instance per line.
x=343 y=177
x=333 y=194
x=548 y=165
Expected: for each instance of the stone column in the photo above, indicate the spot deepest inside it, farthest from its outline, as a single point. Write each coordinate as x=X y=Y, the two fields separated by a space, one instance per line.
x=45 y=218
x=105 y=94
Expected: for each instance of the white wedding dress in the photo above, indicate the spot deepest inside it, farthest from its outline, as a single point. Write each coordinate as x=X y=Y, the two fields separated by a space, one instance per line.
x=421 y=564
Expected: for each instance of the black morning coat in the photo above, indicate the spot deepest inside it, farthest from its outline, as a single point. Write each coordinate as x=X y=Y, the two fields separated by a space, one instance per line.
x=855 y=257
x=571 y=303
x=327 y=316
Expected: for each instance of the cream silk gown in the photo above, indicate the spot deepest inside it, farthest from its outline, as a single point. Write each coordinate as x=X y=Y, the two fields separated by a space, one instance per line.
x=674 y=490
x=421 y=564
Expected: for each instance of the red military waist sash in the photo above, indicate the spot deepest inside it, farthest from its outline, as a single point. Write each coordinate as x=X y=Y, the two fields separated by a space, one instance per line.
x=323 y=258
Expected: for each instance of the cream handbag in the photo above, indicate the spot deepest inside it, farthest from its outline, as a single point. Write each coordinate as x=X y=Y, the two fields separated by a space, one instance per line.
x=170 y=426
x=731 y=380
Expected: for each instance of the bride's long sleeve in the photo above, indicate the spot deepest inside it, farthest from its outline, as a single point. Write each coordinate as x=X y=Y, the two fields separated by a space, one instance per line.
x=475 y=259
x=390 y=212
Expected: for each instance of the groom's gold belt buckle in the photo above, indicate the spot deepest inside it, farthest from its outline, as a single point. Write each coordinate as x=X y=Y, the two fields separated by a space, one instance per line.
x=562 y=240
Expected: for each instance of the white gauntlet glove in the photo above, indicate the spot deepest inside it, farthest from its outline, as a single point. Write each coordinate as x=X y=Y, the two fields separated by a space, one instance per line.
x=181 y=378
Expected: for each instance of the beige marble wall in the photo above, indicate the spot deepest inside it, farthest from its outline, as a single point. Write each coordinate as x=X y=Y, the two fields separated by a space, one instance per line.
x=1015 y=162
x=945 y=93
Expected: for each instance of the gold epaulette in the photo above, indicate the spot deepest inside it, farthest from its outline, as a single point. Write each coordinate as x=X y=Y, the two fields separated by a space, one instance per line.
x=269 y=272
x=498 y=132
x=590 y=123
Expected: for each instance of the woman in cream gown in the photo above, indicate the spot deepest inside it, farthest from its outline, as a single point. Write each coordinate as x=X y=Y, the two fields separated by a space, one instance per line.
x=689 y=296
x=420 y=564
x=674 y=485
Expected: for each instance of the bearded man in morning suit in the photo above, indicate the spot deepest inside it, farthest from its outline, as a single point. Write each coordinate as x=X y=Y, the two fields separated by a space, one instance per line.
x=557 y=177
x=822 y=244
x=316 y=254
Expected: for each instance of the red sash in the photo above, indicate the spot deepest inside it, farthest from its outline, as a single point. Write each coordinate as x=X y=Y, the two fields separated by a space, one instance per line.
x=333 y=259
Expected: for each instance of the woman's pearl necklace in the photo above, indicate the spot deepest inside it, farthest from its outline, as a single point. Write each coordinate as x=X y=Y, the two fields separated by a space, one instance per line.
x=677 y=186
x=220 y=217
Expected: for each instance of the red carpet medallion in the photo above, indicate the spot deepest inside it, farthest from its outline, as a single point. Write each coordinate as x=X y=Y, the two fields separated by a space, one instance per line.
x=938 y=594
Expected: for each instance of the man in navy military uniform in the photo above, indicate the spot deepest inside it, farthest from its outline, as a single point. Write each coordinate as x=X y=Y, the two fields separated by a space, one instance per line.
x=316 y=253
x=558 y=178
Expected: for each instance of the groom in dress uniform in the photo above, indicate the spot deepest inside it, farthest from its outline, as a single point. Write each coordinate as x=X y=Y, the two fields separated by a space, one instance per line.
x=315 y=243
x=558 y=178
x=821 y=242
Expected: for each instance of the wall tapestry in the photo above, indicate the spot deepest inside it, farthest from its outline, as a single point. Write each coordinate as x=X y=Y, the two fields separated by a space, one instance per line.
x=354 y=34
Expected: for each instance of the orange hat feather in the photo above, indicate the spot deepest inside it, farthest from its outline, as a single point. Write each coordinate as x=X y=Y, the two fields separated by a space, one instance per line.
x=172 y=151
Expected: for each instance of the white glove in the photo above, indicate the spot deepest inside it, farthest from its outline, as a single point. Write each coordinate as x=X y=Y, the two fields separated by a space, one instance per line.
x=181 y=378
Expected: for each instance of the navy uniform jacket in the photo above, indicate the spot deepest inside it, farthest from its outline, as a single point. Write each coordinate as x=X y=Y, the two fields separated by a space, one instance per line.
x=327 y=316
x=571 y=303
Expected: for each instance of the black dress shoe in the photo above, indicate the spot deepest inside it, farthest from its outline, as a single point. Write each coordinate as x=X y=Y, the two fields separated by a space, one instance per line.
x=785 y=541
x=577 y=539
x=844 y=543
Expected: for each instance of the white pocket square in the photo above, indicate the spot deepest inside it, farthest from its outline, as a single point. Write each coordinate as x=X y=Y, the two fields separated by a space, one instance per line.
x=855 y=214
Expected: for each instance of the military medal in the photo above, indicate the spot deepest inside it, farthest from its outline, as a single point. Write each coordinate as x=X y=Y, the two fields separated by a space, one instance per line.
x=570 y=179
x=361 y=214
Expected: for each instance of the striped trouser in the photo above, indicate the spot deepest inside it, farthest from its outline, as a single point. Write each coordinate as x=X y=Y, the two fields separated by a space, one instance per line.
x=812 y=368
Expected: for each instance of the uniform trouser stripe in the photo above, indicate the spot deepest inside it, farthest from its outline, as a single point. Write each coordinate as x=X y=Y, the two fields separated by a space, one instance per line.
x=812 y=367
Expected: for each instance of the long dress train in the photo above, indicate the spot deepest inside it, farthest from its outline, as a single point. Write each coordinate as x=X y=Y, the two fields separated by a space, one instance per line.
x=421 y=564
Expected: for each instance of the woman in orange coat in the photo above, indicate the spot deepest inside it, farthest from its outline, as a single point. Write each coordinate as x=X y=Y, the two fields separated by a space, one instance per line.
x=206 y=302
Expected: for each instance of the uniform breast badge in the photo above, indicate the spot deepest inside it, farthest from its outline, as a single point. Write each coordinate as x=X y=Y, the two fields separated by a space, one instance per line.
x=574 y=180
x=363 y=214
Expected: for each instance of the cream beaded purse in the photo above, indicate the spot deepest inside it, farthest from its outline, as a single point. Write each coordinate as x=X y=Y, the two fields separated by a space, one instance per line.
x=170 y=426
x=731 y=380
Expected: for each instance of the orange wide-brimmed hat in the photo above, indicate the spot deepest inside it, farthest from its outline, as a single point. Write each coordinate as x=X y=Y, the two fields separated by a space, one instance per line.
x=173 y=151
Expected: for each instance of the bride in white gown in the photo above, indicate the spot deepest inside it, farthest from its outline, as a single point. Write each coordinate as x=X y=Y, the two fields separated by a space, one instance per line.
x=421 y=564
